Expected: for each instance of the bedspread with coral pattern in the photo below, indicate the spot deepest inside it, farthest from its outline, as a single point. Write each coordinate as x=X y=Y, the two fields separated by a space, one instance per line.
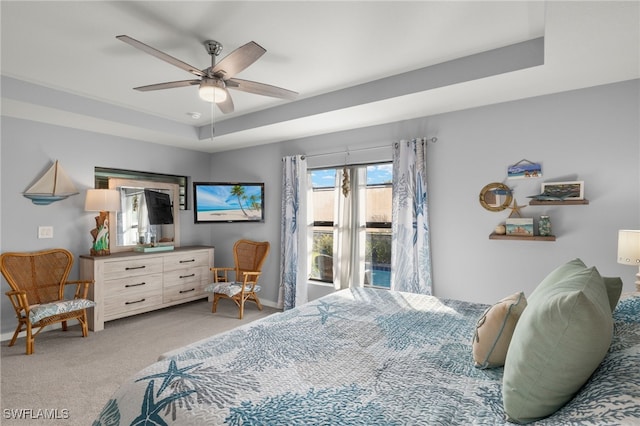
x=361 y=357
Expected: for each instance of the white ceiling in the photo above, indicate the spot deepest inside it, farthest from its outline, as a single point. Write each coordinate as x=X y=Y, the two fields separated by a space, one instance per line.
x=317 y=48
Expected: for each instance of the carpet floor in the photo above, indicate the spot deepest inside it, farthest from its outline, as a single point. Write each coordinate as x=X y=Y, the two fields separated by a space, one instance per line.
x=69 y=379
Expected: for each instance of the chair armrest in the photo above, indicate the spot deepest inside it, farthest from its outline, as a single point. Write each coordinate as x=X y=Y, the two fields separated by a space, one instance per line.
x=19 y=301
x=250 y=278
x=82 y=288
x=223 y=278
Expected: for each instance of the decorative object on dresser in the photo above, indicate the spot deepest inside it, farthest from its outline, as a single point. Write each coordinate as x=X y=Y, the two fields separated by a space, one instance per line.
x=37 y=282
x=629 y=250
x=129 y=283
x=249 y=256
x=103 y=201
x=53 y=185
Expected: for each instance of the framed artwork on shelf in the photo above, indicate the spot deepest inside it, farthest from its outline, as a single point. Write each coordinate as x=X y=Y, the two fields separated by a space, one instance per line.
x=562 y=190
x=520 y=226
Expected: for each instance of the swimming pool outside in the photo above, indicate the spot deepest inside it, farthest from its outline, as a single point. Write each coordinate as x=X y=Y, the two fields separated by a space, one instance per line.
x=381 y=276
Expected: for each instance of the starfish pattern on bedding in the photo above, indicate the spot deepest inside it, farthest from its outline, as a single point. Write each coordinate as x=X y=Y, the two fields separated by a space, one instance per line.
x=150 y=410
x=326 y=310
x=172 y=373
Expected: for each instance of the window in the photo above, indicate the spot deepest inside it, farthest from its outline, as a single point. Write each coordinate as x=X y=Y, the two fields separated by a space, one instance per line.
x=357 y=225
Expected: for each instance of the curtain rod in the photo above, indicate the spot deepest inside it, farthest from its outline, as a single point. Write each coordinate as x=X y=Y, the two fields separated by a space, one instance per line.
x=348 y=151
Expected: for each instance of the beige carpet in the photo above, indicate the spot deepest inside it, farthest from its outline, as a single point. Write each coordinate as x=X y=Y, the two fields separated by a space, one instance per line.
x=70 y=378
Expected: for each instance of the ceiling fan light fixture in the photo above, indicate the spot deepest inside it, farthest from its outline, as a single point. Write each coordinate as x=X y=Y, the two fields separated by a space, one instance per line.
x=213 y=90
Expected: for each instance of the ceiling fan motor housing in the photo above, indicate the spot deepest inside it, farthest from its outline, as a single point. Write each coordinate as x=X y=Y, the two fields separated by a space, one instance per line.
x=213 y=47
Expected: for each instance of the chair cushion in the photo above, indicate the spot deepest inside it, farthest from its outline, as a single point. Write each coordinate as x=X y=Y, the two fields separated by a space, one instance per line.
x=228 y=289
x=559 y=341
x=39 y=312
x=494 y=330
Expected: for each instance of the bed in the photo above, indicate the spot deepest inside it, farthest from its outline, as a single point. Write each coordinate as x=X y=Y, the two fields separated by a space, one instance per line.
x=361 y=356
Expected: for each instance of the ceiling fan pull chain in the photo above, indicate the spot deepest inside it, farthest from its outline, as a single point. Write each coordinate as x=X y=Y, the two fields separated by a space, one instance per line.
x=213 y=116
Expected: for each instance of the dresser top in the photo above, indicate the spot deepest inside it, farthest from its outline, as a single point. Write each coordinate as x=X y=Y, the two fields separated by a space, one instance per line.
x=135 y=253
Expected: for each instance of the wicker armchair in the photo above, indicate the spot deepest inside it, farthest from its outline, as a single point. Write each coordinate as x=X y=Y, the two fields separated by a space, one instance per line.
x=249 y=256
x=37 y=282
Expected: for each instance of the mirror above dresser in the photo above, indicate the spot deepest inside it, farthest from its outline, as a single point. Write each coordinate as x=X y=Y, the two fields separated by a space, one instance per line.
x=149 y=214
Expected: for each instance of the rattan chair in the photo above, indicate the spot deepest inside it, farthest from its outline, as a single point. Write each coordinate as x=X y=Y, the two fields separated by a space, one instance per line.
x=249 y=256
x=37 y=282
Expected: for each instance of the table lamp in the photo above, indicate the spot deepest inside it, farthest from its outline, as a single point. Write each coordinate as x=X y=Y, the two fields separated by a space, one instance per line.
x=103 y=201
x=629 y=250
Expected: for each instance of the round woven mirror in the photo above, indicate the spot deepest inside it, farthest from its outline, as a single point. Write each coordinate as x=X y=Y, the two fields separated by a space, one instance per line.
x=495 y=197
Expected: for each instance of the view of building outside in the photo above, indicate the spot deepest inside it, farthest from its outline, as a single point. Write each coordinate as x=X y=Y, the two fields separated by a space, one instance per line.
x=378 y=227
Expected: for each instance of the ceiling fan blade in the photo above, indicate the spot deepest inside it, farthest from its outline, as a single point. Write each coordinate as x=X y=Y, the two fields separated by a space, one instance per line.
x=168 y=85
x=260 y=88
x=227 y=105
x=238 y=60
x=161 y=55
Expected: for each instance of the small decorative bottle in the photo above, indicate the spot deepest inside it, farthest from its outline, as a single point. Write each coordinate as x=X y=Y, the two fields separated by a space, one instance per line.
x=544 y=226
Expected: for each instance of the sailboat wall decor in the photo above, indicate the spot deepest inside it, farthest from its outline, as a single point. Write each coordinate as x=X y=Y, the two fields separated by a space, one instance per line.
x=54 y=185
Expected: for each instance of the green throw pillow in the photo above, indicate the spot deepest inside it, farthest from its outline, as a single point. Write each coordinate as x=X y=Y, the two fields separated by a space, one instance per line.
x=614 y=290
x=559 y=341
x=612 y=285
x=558 y=274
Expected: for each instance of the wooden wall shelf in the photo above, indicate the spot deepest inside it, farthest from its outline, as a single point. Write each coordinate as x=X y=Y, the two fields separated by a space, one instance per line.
x=557 y=202
x=495 y=236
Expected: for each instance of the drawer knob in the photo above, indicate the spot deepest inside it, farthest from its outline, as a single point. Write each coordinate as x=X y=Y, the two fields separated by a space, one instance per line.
x=135 y=301
x=187 y=291
x=187 y=276
x=187 y=261
x=134 y=285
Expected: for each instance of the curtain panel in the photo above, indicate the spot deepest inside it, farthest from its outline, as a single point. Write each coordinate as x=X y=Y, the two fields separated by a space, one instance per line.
x=411 y=254
x=293 y=235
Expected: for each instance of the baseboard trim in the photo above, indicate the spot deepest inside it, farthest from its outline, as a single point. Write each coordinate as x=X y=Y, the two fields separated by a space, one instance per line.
x=5 y=337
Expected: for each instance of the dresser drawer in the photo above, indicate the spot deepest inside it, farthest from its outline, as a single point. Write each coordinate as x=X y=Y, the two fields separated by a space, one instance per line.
x=192 y=275
x=117 y=305
x=136 y=284
x=183 y=291
x=186 y=260
x=141 y=265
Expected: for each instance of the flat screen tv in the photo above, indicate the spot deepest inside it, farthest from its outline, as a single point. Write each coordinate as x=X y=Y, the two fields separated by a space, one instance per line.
x=158 y=207
x=228 y=202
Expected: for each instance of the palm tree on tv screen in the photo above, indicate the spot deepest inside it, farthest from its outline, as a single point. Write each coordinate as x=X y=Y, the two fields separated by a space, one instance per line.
x=238 y=191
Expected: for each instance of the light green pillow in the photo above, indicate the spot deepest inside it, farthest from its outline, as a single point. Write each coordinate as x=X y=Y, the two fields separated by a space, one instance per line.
x=614 y=290
x=558 y=274
x=559 y=341
x=494 y=330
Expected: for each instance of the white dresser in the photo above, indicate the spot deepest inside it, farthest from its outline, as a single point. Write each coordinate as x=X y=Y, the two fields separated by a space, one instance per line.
x=130 y=283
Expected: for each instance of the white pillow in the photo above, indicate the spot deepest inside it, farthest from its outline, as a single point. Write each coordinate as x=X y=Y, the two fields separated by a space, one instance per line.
x=494 y=330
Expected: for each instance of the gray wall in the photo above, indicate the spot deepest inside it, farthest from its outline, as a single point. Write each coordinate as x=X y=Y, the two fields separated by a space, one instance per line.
x=591 y=135
x=28 y=148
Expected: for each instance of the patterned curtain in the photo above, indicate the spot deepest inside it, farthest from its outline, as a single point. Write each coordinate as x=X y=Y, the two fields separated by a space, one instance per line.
x=411 y=255
x=293 y=236
x=349 y=228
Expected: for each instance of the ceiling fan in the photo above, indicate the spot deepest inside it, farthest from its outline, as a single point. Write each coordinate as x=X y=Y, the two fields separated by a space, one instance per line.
x=216 y=79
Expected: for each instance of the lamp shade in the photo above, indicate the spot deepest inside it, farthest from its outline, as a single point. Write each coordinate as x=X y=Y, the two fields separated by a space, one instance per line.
x=629 y=247
x=102 y=200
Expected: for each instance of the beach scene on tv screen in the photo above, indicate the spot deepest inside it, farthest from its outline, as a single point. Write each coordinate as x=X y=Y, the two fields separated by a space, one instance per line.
x=228 y=202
